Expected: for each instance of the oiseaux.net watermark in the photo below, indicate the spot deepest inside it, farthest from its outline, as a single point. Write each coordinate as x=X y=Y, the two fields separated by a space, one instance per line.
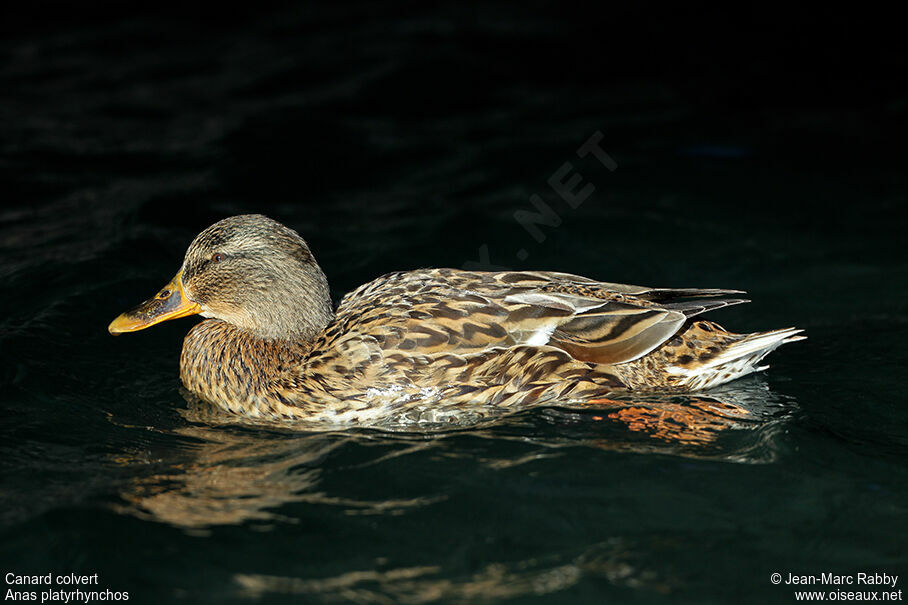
x=828 y=586
x=569 y=185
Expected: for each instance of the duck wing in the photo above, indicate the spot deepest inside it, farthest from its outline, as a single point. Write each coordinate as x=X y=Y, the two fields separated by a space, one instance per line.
x=453 y=311
x=604 y=331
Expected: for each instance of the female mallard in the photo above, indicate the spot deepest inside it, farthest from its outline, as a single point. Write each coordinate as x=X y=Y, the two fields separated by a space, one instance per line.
x=431 y=343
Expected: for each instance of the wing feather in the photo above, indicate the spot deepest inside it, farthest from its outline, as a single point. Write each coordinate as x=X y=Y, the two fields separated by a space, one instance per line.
x=447 y=310
x=617 y=337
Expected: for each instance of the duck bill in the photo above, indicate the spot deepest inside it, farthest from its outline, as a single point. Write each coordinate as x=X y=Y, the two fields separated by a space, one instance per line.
x=170 y=303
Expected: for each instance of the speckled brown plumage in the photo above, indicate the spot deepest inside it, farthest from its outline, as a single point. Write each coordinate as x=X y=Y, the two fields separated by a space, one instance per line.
x=433 y=344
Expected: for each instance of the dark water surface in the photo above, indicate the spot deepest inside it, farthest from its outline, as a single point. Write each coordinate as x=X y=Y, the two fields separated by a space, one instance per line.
x=409 y=138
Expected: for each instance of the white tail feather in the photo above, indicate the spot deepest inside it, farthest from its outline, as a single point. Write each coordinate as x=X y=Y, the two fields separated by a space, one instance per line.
x=740 y=359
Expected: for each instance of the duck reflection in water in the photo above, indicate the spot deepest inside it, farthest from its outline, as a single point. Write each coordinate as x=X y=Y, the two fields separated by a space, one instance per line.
x=241 y=470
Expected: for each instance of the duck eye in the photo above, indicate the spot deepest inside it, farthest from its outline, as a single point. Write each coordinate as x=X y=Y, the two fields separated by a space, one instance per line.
x=217 y=257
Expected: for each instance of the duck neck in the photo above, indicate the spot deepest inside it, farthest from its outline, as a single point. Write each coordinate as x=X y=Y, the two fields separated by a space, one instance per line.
x=298 y=311
x=304 y=312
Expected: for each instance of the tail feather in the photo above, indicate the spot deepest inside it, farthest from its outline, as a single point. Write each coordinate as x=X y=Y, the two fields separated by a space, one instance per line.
x=738 y=358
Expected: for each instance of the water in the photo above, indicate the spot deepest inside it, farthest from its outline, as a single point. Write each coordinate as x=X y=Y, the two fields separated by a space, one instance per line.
x=409 y=137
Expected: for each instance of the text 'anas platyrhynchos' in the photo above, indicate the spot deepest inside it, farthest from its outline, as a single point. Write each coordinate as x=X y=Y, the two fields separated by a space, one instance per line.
x=442 y=341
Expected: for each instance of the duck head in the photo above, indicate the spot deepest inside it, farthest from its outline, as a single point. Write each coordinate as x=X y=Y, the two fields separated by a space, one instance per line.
x=249 y=271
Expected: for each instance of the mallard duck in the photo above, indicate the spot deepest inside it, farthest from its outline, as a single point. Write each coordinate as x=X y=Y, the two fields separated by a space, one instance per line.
x=430 y=343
